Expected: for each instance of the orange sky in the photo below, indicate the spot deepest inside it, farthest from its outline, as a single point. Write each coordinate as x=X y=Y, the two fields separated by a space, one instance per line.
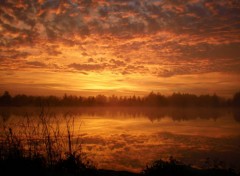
x=122 y=47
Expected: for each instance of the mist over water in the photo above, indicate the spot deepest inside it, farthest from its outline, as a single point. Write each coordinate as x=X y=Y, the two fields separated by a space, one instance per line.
x=129 y=138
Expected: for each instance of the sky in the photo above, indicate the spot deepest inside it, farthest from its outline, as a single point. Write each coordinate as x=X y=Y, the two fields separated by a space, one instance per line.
x=121 y=47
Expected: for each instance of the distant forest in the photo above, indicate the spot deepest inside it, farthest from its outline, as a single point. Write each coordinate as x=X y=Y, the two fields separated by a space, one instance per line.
x=152 y=99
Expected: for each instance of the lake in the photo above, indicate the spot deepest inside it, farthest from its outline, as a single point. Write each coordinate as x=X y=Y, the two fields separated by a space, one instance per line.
x=129 y=138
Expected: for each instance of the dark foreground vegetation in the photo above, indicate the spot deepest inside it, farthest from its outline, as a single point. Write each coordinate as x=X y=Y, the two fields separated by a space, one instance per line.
x=176 y=168
x=40 y=147
x=153 y=99
x=73 y=167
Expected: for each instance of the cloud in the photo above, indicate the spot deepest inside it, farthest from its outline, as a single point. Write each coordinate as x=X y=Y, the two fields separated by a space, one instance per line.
x=36 y=64
x=123 y=17
x=117 y=62
x=53 y=50
x=159 y=38
x=87 y=67
x=90 y=59
x=9 y=54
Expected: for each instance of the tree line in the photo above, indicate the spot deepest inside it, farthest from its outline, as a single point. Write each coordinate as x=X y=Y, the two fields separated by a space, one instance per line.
x=152 y=99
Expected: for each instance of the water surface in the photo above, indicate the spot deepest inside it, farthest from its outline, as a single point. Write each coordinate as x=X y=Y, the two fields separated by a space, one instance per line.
x=129 y=138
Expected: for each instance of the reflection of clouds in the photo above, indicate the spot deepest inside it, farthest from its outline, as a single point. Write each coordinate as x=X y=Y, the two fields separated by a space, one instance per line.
x=127 y=140
x=94 y=140
x=132 y=152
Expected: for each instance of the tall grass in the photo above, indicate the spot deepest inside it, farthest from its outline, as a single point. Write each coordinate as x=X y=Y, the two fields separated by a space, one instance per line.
x=45 y=139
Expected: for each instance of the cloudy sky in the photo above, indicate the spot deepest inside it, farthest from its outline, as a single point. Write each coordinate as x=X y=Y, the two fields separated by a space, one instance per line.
x=122 y=47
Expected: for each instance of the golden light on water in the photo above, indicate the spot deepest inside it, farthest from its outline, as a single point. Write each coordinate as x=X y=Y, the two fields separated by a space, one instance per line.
x=130 y=140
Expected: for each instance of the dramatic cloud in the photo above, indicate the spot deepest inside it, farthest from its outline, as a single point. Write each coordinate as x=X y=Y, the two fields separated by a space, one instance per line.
x=155 y=38
x=87 y=67
x=36 y=64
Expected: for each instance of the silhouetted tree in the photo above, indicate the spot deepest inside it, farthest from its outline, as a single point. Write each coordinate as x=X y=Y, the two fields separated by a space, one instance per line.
x=236 y=99
x=5 y=99
x=152 y=99
x=101 y=100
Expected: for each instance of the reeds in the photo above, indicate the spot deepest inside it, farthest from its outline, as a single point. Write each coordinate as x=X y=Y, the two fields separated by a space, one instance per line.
x=48 y=139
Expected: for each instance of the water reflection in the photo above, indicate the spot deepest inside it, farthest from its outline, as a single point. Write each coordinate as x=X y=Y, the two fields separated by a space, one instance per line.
x=236 y=114
x=153 y=114
x=128 y=138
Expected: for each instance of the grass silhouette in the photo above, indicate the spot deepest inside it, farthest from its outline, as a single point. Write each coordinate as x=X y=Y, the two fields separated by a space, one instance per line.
x=177 y=168
x=41 y=146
